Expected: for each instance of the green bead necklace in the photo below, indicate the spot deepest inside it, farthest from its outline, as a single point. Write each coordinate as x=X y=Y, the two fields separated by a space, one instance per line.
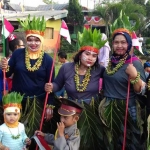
x=81 y=87
x=119 y=65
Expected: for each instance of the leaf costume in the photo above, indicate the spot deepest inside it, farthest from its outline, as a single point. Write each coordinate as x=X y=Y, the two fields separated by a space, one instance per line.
x=112 y=108
x=85 y=92
x=31 y=72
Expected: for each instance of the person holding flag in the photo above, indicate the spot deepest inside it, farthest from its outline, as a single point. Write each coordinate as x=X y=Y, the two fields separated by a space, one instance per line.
x=31 y=67
x=124 y=79
x=81 y=81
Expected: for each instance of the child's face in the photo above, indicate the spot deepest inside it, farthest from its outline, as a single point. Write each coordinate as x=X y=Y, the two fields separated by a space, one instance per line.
x=69 y=120
x=147 y=69
x=11 y=117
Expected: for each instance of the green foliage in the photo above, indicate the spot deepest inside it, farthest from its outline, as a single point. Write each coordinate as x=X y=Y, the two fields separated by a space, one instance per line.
x=48 y=1
x=75 y=15
x=89 y=38
x=91 y=128
x=66 y=47
x=112 y=115
x=31 y=117
x=36 y=23
x=110 y=11
x=147 y=41
x=12 y=97
x=123 y=22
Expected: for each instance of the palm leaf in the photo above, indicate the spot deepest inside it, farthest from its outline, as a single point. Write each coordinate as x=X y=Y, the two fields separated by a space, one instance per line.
x=91 y=129
x=32 y=116
x=112 y=115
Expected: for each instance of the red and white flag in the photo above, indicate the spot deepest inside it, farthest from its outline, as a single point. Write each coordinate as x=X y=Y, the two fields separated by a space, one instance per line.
x=136 y=43
x=7 y=28
x=41 y=142
x=64 y=31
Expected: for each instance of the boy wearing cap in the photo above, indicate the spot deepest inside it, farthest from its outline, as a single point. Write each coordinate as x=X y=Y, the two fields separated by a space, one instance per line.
x=67 y=135
x=12 y=132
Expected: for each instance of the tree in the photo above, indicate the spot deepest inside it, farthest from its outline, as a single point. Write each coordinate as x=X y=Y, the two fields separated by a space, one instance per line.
x=75 y=16
x=48 y=1
x=111 y=11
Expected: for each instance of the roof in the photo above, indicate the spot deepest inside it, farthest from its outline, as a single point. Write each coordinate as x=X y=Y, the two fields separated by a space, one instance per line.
x=54 y=6
x=46 y=7
x=55 y=14
x=17 y=7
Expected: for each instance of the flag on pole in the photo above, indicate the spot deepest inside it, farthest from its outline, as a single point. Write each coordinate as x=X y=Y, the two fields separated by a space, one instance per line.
x=41 y=142
x=64 y=31
x=136 y=43
x=7 y=28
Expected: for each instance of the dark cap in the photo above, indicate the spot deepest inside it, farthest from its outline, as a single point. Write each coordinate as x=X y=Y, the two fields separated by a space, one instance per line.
x=69 y=107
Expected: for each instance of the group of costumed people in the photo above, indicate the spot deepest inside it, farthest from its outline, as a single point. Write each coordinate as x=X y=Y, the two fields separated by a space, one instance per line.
x=101 y=124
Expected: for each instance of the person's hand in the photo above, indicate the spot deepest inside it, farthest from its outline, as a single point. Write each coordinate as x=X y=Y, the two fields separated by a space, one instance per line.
x=27 y=141
x=131 y=71
x=4 y=63
x=38 y=132
x=48 y=87
x=61 y=128
x=48 y=113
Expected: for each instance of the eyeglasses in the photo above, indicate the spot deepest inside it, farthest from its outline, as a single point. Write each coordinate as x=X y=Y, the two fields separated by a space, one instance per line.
x=124 y=43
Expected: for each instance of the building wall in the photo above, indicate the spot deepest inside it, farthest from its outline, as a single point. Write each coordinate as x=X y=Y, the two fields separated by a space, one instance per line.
x=51 y=44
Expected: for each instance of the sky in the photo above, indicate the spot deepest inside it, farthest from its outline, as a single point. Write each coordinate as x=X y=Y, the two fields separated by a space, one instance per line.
x=87 y=3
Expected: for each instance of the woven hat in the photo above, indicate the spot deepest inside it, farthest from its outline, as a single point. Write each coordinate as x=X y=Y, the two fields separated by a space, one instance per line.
x=90 y=40
x=12 y=102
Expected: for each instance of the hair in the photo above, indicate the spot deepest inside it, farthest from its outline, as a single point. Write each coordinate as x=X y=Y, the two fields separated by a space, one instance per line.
x=76 y=59
x=14 y=43
x=62 y=54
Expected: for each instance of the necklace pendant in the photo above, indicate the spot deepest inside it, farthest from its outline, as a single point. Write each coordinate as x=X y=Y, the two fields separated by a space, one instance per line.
x=15 y=137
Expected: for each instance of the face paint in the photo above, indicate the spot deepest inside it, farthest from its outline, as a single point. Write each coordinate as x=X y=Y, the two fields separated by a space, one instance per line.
x=88 y=58
x=33 y=43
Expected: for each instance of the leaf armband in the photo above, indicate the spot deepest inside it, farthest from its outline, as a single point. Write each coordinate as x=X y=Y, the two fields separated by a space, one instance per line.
x=50 y=106
x=136 y=79
x=7 y=69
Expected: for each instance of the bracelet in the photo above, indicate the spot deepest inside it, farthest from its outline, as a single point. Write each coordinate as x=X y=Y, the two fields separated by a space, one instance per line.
x=7 y=69
x=50 y=106
x=136 y=79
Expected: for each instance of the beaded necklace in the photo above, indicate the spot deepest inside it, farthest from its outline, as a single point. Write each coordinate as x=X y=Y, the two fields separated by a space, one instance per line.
x=38 y=63
x=13 y=136
x=148 y=85
x=81 y=87
x=119 y=65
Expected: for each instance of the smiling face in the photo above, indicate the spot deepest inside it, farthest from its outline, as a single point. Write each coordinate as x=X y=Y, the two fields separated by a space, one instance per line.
x=120 y=45
x=33 y=43
x=88 y=58
x=11 y=117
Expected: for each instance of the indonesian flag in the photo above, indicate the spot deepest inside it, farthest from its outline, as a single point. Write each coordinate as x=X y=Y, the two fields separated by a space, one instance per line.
x=64 y=31
x=7 y=28
x=136 y=43
x=41 y=142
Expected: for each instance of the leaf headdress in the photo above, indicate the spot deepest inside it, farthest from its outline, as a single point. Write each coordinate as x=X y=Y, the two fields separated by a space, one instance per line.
x=122 y=24
x=12 y=100
x=34 y=26
x=91 y=41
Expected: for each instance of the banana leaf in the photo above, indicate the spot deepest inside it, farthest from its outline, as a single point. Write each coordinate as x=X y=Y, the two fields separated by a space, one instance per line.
x=112 y=115
x=91 y=128
x=31 y=117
